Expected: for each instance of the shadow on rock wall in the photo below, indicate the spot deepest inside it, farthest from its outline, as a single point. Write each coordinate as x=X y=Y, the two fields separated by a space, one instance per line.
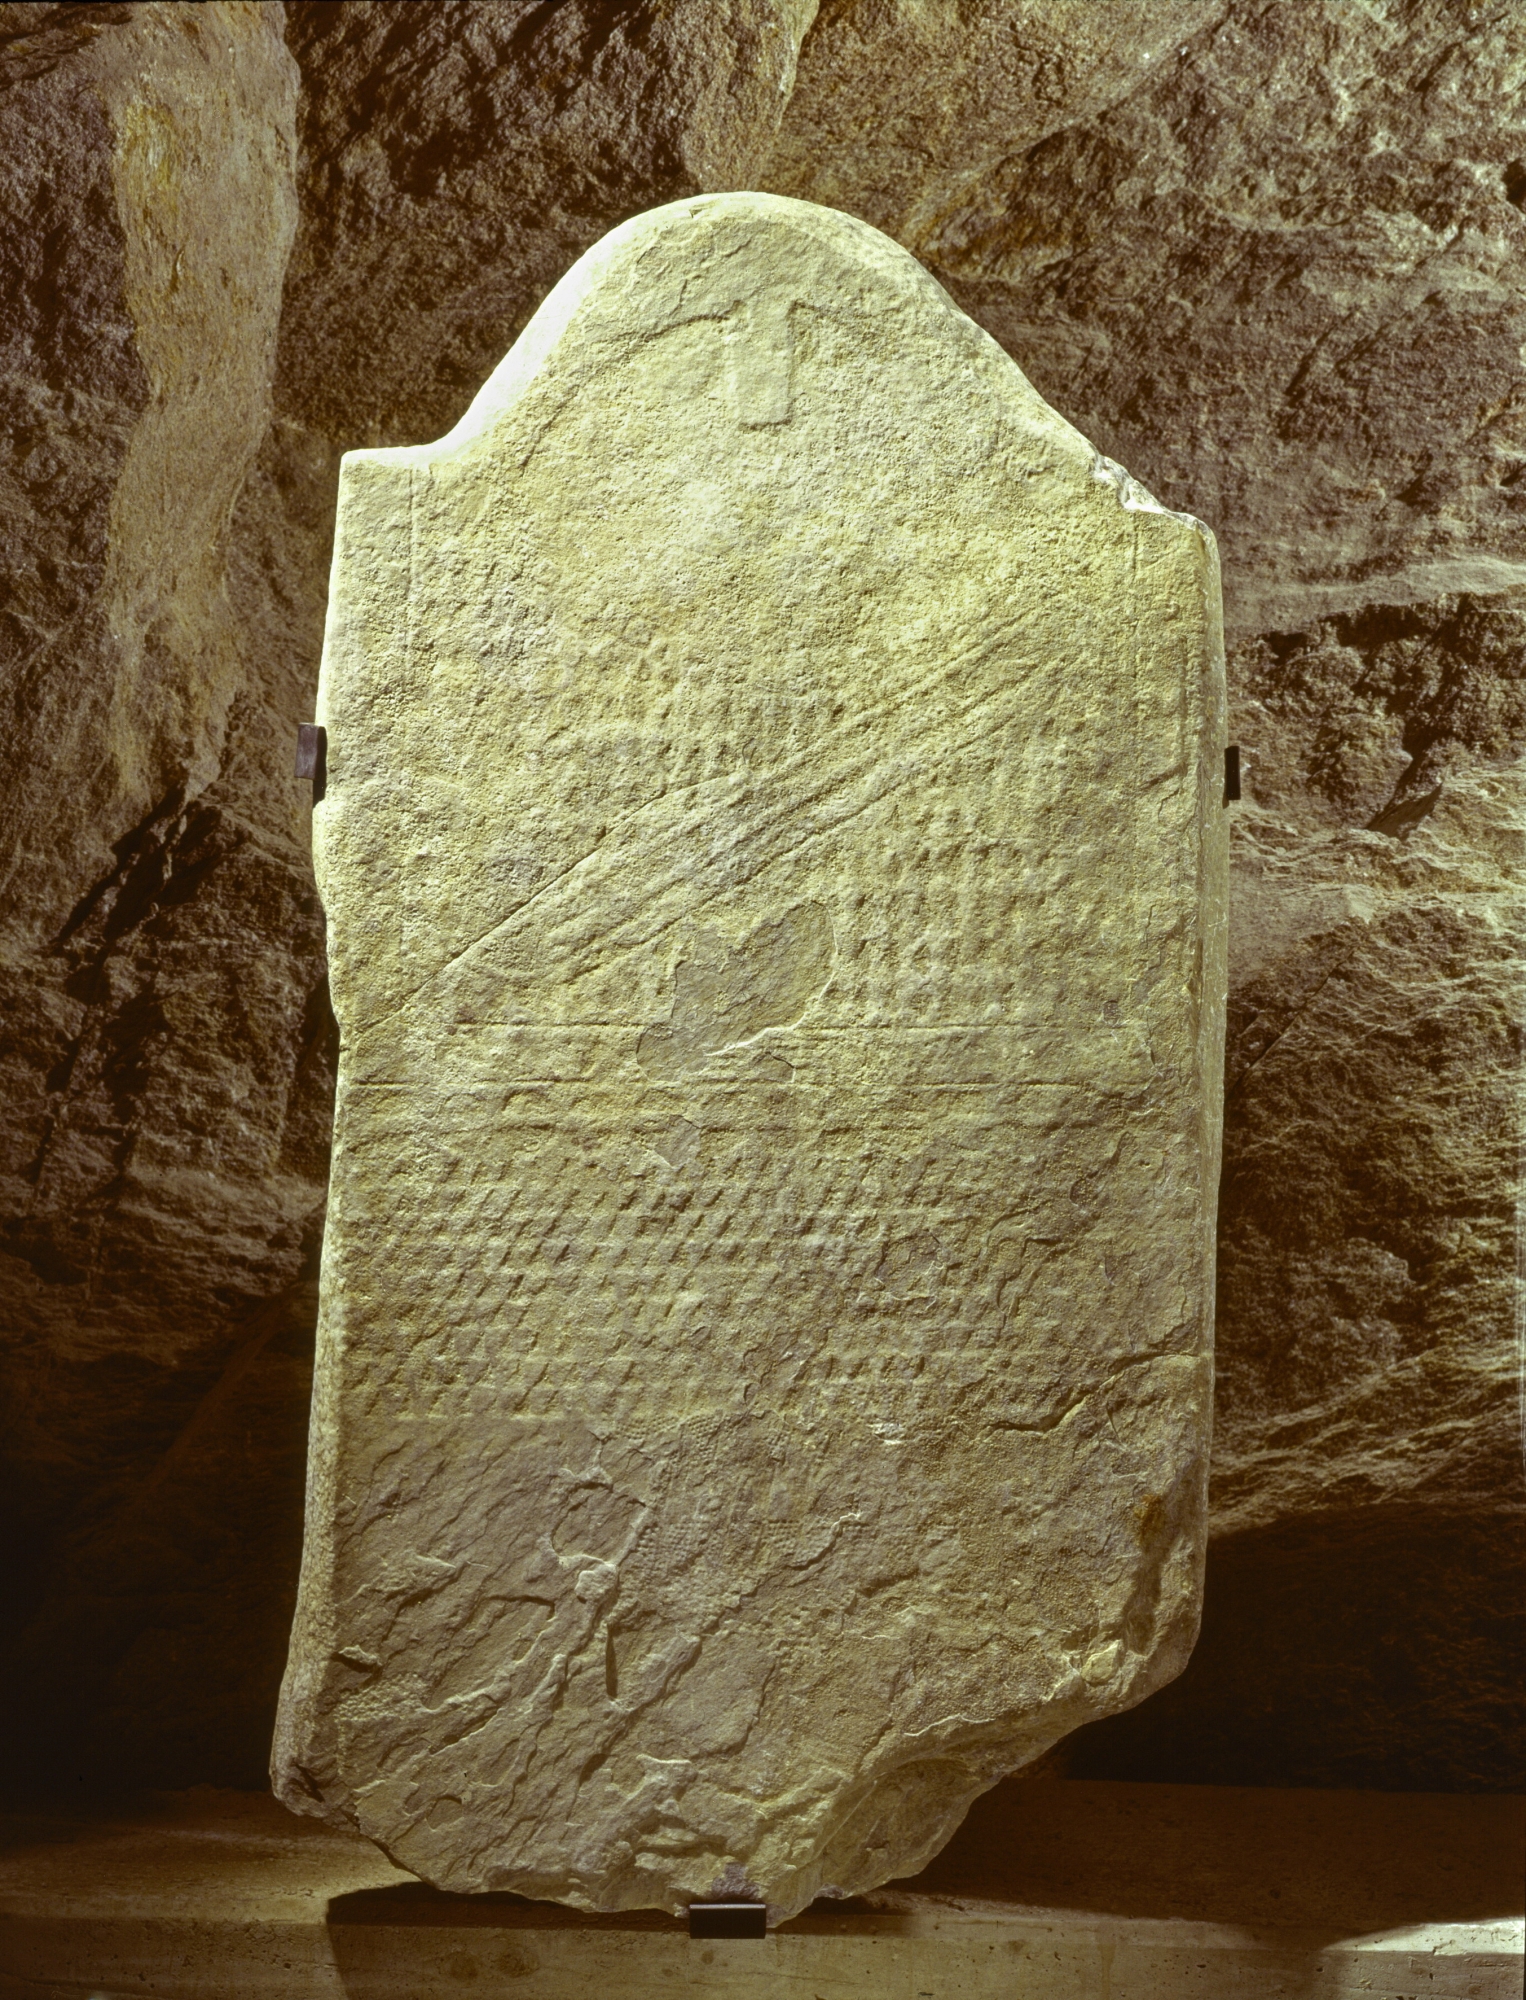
x=1270 y=258
x=1379 y=1651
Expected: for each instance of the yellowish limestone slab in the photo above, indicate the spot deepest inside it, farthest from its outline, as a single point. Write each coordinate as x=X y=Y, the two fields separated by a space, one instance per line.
x=773 y=854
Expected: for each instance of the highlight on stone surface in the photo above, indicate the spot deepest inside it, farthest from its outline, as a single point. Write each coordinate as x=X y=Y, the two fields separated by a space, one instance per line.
x=773 y=853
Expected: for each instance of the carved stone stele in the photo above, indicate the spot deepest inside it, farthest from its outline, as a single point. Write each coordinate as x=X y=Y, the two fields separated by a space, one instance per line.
x=773 y=854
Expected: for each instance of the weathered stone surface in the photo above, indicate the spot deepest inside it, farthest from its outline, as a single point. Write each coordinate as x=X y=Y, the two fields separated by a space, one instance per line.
x=1276 y=269
x=772 y=858
x=175 y=1046
x=1283 y=282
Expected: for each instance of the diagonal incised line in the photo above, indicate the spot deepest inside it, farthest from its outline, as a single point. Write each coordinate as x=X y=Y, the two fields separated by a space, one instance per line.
x=762 y=811
x=849 y=732
x=772 y=830
x=565 y=933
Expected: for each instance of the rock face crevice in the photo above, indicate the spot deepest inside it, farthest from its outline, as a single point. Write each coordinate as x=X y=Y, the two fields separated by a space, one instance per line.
x=1269 y=258
x=164 y=1149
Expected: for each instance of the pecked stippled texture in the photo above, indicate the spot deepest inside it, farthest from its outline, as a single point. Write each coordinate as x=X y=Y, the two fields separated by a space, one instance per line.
x=773 y=854
x=1268 y=257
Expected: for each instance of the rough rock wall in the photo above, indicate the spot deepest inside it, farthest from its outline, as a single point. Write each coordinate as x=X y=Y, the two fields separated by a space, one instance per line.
x=1282 y=283
x=456 y=159
x=240 y=238
x=1270 y=257
x=161 y=950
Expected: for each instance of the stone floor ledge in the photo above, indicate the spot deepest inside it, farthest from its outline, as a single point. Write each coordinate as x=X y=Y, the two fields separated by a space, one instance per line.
x=1052 y=1890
